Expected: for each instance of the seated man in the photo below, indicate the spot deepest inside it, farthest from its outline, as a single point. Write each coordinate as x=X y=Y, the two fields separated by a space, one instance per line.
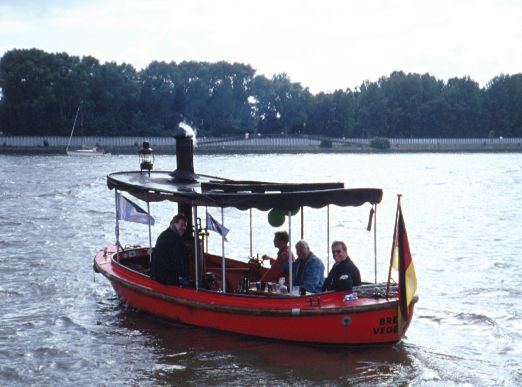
x=308 y=270
x=279 y=266
x=169 y=263
x=344 y=274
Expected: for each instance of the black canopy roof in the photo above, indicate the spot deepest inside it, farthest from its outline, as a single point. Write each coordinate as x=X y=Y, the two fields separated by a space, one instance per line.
x=218 y=192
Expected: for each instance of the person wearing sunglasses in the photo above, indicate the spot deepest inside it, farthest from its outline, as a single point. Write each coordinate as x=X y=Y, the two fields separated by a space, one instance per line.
x=344 y=274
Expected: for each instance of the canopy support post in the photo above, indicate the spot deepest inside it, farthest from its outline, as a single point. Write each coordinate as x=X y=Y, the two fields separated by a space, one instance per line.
x=223 y=275
x=290 y=279
x=328 y=238
x=117 y=225
x=375 y=239
x=206 y=230
x=302 y=222
x=251 y=256
x=196 y=242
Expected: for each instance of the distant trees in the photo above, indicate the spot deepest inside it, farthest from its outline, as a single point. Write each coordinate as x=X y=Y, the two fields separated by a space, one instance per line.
x=40 y=93
x=502 y=105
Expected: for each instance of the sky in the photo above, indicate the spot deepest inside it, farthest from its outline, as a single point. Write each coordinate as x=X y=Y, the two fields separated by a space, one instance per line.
x=324 y=45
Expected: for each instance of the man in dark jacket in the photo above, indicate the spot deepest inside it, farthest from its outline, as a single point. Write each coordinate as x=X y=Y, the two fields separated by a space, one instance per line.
x=169 y=264
x=344 y=274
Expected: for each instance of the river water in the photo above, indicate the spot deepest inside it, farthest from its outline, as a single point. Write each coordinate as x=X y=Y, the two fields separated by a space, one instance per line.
x=62 y=325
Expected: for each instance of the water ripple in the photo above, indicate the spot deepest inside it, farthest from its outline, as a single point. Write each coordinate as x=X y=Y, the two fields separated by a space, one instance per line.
x=59 y=327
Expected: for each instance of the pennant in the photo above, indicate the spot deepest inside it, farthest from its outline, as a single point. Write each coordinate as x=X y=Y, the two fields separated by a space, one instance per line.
x=370 y=220
x=214 y=225
x=407 y=278
x=131 y=212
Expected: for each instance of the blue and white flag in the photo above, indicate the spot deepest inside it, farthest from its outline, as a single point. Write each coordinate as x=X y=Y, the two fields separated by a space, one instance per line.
x=214 y=225
x=131 y=212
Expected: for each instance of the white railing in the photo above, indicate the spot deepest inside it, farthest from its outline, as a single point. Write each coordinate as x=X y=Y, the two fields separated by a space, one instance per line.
x=455 y=141
x=59 y=141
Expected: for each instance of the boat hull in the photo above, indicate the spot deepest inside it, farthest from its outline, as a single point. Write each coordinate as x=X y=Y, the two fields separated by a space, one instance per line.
x=323 y=318
x=85 y=152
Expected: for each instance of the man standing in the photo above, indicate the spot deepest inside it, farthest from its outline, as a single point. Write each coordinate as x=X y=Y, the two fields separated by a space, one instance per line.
x=279 y=266
x=344 y=274
x=308 y=270
x=169 y=264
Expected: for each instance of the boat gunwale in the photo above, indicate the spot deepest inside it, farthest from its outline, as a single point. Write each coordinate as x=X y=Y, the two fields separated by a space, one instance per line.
x=276 y=312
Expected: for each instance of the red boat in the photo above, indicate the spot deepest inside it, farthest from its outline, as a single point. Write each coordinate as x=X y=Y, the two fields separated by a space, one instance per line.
x=367 y=314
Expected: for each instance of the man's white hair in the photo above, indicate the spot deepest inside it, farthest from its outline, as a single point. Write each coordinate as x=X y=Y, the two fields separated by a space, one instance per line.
x=302 y=243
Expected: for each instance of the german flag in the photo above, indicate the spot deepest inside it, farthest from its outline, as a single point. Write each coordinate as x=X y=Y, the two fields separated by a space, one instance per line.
x=402 y=258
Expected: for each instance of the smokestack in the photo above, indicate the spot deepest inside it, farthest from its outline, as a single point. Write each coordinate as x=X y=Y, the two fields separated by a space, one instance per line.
x=184 y=173
x=184 y=156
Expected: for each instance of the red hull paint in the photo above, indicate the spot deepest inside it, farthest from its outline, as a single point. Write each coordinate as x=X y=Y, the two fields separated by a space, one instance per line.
x=323 y=318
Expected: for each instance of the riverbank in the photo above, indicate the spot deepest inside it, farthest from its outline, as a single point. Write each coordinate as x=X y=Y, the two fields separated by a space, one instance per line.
x=245 y=149
x=262 y=145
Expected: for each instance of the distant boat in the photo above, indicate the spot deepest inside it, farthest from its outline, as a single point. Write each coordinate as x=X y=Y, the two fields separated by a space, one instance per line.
x=85 y=150
x=88 y=151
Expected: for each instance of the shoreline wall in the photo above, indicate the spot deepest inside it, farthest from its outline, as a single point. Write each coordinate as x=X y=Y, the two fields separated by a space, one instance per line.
x=166 y=145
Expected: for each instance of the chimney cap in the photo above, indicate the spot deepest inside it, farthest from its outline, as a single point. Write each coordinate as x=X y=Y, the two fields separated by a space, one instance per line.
x=183 y=131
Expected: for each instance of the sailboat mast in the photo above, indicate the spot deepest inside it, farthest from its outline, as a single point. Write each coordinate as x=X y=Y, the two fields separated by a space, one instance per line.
x=74 y=124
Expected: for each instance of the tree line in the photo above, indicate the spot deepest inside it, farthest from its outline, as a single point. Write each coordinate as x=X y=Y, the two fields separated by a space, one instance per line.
x=41 y=92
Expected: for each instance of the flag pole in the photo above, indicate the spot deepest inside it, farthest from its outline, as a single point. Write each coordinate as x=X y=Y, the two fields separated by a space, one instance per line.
x=117 y=226
x=393 y=243
x=150 y=236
